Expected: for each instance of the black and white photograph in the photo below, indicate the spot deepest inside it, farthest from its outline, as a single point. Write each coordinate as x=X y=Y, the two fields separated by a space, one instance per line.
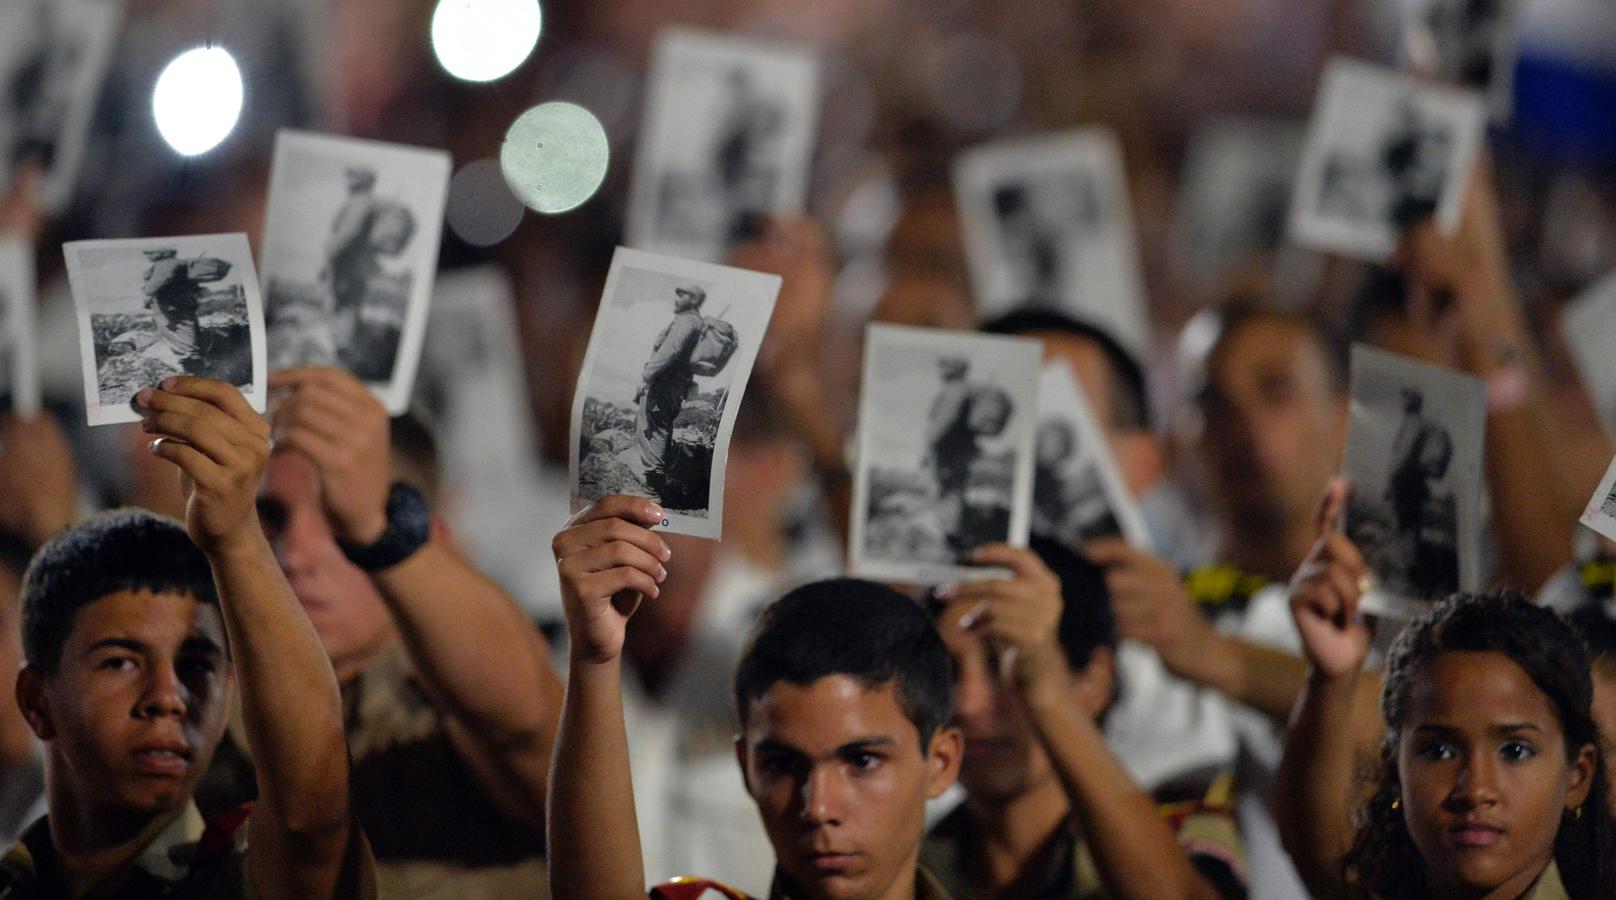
x=1413 y=460
x=1235 y=196
x=667 y=364
x=946 y=427
x=150 y=308
x=1588 y=325
x=1601 y=512
x=726 y=138
x=350 y=252
x=1077 y=491
x=1384 y=151
x=1048 y=224
x=19 y=363
x=53 y=57
x=1470 y=43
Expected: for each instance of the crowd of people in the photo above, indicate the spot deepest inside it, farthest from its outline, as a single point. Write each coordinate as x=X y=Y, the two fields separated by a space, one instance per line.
x=257 y=657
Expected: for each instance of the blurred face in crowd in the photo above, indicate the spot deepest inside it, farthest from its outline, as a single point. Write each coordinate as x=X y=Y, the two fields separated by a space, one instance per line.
x=1271 y=422
x=1138 y=451
x=138 y=703
x=338 y=596
x=841 y=782
x=1003 y=756
x=1482 y=761
x=1604 y=671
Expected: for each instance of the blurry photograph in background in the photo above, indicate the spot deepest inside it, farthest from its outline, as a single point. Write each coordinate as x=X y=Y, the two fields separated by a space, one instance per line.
x=1383 y=152
x=53 y=56
x=151 y=308
x=19 y=363
x=1469 y=43
x=1234 y=197
x=1413 y=460
x=350 y=251
x=727 y=136
x=1078 y=494
x=668 y=361
x=1048 y=225
x=1589 y=327
x=946 y=428
x=1601 y=512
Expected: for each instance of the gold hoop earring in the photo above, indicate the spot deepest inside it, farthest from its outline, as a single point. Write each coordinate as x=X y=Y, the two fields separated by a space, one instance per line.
x=1576 y=814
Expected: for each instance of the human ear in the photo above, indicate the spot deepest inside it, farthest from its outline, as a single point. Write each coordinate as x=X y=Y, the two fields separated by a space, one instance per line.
x=30 y=693
x=943 y=760
x=1580 y=777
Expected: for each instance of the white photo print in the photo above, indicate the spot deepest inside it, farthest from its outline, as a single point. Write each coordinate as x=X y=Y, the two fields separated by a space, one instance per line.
x=668 y=362
x=53 y=57
x=19 y=364
x=1589 y=323
x=1048 y=225
x=1078 y=494
x=1470 y=43
x=945 y=451
x=727 y=137
x=350 y=252
x=150 y=308
x=1601 y=512
x=1235 y=195
x=1413 y=461
x=1383 y=152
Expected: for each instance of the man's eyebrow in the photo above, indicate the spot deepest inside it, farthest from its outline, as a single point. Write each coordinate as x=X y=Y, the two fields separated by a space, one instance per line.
x=119 y=643
x=867 y=743
x=1512 y=727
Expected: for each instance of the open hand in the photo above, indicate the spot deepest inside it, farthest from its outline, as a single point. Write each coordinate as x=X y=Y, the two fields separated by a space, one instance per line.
x=1020 y=616
x=609 y=561
x=207 y=429
x=330 y=416
x=1151 y=604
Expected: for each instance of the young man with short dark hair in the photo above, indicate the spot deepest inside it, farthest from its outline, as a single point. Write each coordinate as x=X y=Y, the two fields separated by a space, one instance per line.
x=843 y=693
x=1049 y=812
x=135 y=629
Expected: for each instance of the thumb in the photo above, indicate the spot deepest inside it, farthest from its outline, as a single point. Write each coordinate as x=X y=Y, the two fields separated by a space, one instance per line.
x=1331 y=506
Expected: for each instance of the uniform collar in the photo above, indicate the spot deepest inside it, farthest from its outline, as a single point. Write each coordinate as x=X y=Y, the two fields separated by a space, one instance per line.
x=926 y=887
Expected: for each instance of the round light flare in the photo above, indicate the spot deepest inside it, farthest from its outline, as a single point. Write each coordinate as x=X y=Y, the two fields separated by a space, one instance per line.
x=555 y=157
x=485 y=40
x=197 y=101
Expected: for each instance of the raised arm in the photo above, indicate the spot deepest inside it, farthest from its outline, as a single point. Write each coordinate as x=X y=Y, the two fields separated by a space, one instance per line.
x=301 y=827
x=608 y=563
x=1314 y=790
x=1137 y=853
x=1153 y=608
x=484 y=665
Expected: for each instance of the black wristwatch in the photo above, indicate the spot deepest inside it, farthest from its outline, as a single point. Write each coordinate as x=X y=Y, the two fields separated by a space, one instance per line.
x=409 y=525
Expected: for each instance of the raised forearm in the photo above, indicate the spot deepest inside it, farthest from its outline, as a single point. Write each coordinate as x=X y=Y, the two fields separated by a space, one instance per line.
x=1313 y=787
x=1136 y=851
x=594 y=839
x=484 y=663
x=1262 y=678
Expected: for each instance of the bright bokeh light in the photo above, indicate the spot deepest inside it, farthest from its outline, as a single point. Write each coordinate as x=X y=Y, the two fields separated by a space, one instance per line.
x=483 y=40
x=555 y=156
x=197 y=100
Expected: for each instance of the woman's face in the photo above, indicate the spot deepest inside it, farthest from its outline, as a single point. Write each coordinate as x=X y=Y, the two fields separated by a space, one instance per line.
x=1485 y=779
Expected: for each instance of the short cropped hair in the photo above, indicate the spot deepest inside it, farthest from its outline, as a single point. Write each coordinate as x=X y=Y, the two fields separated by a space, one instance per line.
x=123 y=550
x=1087 y=621
x=845 y=626
x=1130 y=395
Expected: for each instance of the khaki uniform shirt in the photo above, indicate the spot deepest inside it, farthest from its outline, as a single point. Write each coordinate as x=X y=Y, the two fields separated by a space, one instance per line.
x=1207 y=830
x=927 y=887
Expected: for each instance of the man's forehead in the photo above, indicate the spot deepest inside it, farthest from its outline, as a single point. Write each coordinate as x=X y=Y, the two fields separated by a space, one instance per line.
x=159 y=618
x=832 y=712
